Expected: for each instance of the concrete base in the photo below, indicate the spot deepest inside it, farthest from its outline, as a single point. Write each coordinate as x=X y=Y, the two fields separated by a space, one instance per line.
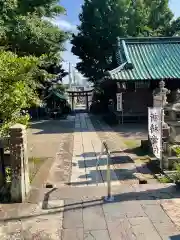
x=109 y=199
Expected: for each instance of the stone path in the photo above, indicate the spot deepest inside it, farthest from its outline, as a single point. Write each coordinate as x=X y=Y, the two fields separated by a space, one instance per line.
x=87 y=147
x=52 y=139
x=127 y=218
x=78 y=211
x=132 y=168
x=137 y=212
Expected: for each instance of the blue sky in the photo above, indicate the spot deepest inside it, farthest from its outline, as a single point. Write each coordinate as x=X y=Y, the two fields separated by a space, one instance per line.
x=70 y=20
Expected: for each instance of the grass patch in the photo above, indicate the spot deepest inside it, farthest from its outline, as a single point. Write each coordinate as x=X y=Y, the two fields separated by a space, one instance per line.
x=131 y=143
x=165 y=179
x=34 y=166
x=144 y=159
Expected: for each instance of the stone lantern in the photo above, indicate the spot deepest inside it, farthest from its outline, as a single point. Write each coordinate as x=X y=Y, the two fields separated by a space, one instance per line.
x=160 y=100
x=173 y=117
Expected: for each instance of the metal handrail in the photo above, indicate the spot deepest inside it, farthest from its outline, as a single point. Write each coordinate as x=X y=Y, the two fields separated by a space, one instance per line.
x=105 y=149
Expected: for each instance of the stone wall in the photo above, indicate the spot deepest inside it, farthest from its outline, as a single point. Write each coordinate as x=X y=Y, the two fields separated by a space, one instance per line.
x=20 y=185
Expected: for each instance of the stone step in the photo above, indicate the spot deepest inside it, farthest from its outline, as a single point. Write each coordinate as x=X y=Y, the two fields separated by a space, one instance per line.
x=74 y=192
x=43 y=201
x=51 y=200
x=124 y=192
x=78 y=193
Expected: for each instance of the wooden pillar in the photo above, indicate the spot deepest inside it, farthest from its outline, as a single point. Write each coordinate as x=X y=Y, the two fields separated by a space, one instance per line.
x=87 y=104
x=72 y=101
x=118 y=87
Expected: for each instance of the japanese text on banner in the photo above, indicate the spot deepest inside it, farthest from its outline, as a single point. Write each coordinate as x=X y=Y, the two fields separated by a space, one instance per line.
x=155 y=130
x=119 y=101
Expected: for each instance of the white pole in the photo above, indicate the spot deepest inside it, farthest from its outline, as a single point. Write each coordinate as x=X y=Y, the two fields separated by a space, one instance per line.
x=70 y=81
x=108 y=177
x=74 y=77
x=109 y=197
x=97 y=163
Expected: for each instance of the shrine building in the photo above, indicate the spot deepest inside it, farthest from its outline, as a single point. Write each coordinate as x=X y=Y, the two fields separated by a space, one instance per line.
x=141 y=64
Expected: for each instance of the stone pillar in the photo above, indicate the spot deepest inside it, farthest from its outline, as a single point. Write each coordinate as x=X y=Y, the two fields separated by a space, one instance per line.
x=160 y=100
x=20 y=185
x=172 y=115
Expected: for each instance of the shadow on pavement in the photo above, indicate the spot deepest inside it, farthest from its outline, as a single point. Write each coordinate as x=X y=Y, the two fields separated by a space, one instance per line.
x=120 y=174
x=102 y=162
x=164 y=193
x=150 y=194
x=52 y=126
x=137 y=151
x=177 y=237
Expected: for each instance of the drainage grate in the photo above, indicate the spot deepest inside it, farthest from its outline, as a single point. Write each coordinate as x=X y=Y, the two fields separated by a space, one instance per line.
x=142 y=181
x=49 y=185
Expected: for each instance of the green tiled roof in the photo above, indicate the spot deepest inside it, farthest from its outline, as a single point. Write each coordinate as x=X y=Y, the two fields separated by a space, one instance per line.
x=147 y=59
x=57 y=94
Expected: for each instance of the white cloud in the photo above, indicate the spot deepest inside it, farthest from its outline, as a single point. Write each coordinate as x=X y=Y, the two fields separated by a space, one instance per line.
x=67 y=55
x=64 y=24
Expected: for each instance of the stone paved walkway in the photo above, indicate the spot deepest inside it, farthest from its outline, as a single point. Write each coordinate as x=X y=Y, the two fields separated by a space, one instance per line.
x=87 y=147
x=52 y=139
x=132 y=169
x=138 y=212
x=132 y=216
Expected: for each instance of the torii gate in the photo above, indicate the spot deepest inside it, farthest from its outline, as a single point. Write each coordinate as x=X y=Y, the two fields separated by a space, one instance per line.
x=86 y=93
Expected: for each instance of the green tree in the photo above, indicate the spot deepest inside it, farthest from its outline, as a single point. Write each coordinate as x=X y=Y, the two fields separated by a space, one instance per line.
x=17 y=87
x=30 y=35
x=27 y=32
x=60 y=87
x=58 y=73
x=101 y=22
x=30 y=44
x=10 y=9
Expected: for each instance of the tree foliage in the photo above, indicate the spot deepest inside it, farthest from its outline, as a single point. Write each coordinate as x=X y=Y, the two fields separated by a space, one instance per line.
x=17 y=86
x=30 y=35
x=58 y=73
x=10 y=9
x=30 y=45
x=26 y=30
x=101 y=22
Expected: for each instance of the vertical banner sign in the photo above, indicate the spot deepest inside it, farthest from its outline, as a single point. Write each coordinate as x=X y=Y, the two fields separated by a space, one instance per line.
x=119 y=102
x=155 y=130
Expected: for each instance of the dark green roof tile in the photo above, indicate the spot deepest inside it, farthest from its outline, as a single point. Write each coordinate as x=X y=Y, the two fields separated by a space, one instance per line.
x=151 y=58
x=57 y=94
